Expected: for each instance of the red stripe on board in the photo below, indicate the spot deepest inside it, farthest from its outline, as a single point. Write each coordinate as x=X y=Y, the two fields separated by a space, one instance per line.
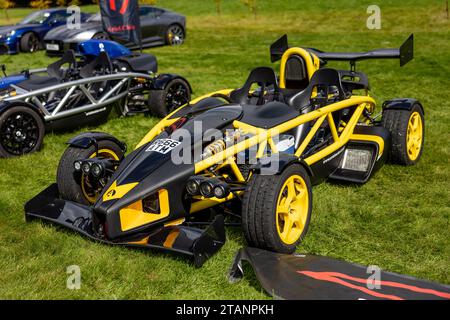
x=333 y=277
x=326 y=276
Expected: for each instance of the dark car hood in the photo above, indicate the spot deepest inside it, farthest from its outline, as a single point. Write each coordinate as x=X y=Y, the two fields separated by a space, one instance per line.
x=5 y=29
x=64 y=33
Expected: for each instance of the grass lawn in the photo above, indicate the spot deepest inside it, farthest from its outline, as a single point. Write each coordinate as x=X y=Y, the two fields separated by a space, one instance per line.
x=400 y=220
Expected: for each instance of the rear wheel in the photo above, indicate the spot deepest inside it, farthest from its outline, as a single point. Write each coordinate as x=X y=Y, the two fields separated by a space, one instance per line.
x=276 y=209
x=21 y=131
x=174 y=95
x=29 y=43
x=75 y=186
x=407 y=128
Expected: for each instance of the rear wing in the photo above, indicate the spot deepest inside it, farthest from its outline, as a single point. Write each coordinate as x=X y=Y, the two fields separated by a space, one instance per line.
x=405 y=53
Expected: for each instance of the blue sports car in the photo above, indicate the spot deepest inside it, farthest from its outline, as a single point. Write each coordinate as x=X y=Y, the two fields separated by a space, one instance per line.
x=28 y=34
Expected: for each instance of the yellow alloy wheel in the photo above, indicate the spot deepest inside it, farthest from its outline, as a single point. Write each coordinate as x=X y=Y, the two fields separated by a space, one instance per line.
x=414 y=136
x=89 y=193
x=292 y=209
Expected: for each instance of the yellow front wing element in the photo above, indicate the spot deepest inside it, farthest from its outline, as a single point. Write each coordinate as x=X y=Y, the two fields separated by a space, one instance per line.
x=134 y=216
x=117 y=192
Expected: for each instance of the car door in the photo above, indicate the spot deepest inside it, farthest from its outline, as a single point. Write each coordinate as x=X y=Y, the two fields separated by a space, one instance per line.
x=150 y=24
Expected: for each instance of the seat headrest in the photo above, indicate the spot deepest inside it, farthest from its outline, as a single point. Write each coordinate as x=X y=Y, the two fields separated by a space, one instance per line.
x=263 y=76
x=54 y=69
x=101 y=62
x=295 y=69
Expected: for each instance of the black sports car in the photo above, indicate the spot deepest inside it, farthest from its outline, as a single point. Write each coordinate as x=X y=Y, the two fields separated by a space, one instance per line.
x=158 y=27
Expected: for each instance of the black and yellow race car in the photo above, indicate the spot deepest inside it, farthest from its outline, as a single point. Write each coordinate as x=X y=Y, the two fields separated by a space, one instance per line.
x=250 y=154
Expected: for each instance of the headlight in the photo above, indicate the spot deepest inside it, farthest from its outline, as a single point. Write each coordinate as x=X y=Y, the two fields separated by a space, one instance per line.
x=85 y=35
x=193 y=185
x=86 y=167
x=77 y=165
x=97 y=170
x=221 y=191
x=7 y=34
x=206 y=188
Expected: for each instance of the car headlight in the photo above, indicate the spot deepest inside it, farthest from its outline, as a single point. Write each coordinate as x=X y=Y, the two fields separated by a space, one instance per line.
x=85 y=35
x=7 y=34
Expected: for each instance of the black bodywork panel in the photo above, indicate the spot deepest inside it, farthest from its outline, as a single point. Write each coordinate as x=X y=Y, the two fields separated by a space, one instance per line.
x=268 y=115
x=5 y=105
x=311 y=277
x=401 y=104
x=88 y=139
x=197 y=244
x=161 y=80
x=142 y=62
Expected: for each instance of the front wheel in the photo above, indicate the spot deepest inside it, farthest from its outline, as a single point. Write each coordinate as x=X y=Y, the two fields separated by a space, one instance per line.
x=407 y=128
x=276 y=209
x=21 y=131
x=76 y=186
x=175 y=35
x=29 y=43
x=176 y=93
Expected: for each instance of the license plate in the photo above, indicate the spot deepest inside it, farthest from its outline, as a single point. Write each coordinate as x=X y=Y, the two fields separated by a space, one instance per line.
x=163 y=146
x=52 y=47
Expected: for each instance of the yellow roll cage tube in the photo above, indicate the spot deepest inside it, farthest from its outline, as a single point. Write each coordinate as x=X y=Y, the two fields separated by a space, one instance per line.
x=263 y=138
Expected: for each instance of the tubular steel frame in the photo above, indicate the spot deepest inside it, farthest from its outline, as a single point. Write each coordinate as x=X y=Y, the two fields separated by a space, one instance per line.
x=107 y=97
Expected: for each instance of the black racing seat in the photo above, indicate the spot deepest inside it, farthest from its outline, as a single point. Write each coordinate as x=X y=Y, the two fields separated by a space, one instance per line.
x=326 y=82
x=35 y=82
x=56 y=74
x=143 y=62
x=266 y=78
x=55 y=69
x=100 y=65
x=329 y=89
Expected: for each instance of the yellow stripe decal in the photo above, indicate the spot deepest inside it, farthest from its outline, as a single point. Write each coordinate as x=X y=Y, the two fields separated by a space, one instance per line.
x=117 y=192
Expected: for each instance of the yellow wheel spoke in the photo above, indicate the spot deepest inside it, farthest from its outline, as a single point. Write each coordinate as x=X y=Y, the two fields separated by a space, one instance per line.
x=292 y=209
x=414 y=136
x=288 y=223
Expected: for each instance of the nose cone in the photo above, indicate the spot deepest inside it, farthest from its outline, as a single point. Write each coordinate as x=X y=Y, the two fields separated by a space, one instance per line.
x=142 y=173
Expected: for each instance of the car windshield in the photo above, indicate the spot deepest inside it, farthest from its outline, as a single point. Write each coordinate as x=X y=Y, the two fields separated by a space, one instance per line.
x=36 y=18
x=95 y=17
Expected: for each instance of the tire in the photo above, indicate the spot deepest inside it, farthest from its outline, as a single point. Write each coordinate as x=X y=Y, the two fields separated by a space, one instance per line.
x=174 y=95
x=29 y=42
x=100 y=36
x=175 y=35
x=71 y=184
x=22 y=131
x=407 y=128
x=262 y=221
